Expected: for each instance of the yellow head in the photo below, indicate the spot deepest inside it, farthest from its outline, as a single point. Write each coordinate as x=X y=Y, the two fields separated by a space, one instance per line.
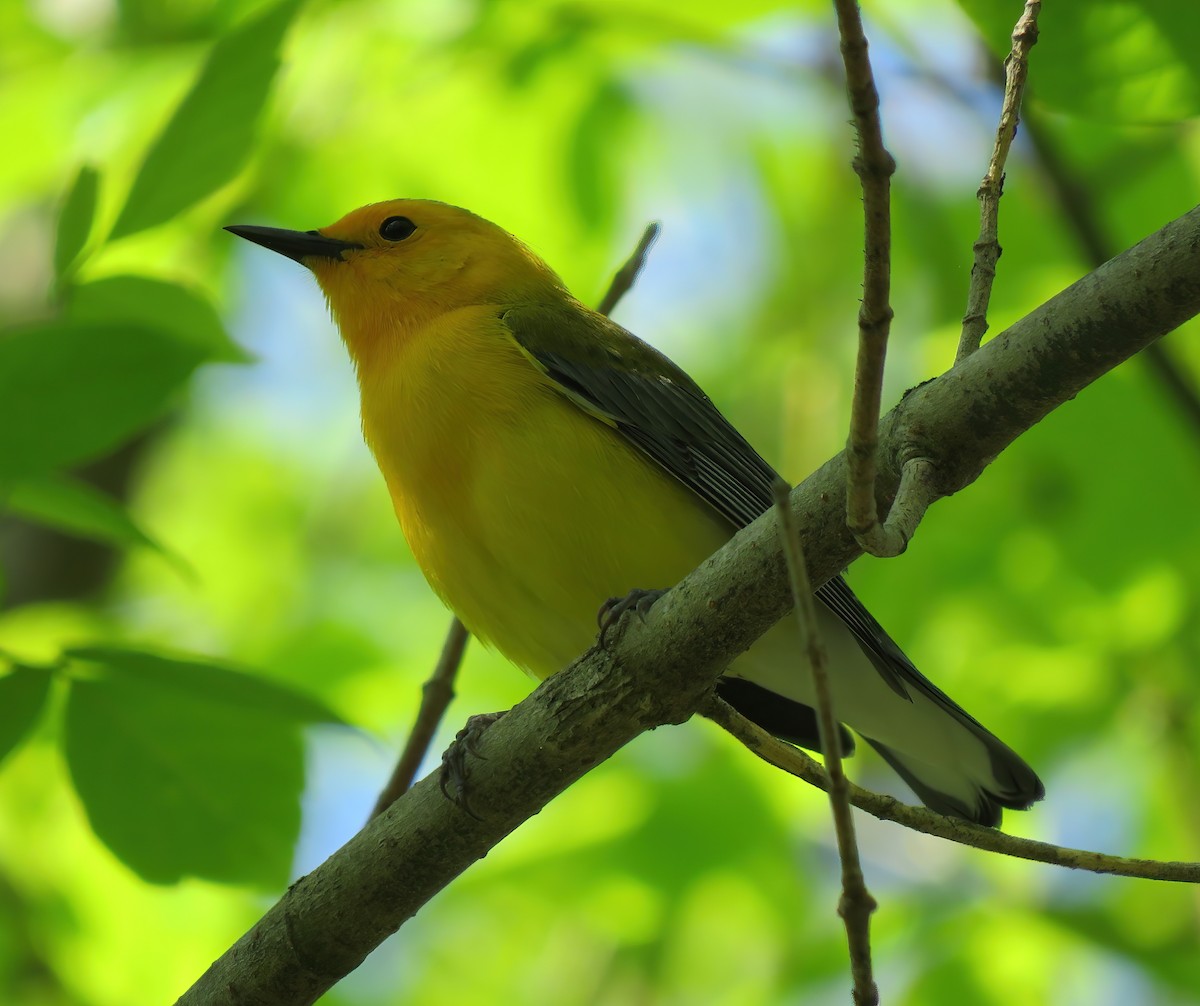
x=390 y=268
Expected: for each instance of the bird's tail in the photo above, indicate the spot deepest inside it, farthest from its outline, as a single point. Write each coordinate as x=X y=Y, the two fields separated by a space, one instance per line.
x=953 y=763
x=1012 y=783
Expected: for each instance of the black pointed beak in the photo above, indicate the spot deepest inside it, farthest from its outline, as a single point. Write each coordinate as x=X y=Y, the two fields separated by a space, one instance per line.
x=296 y=245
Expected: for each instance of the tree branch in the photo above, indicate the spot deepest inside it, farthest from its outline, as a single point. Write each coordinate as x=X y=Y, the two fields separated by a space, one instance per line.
x=661 y=670
x=874 y=167
x=987 y=246
x=796 y=762
x=627 y=275
x=436 y=695
x=856 y=904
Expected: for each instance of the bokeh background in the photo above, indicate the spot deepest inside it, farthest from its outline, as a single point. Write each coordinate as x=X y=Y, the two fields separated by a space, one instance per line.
x=214 y=636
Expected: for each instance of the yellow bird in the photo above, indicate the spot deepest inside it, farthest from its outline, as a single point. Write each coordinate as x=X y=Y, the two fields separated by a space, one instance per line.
x=542 y=459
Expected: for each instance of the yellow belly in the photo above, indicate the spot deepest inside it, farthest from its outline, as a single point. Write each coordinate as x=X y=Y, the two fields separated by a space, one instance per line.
x=524 y=512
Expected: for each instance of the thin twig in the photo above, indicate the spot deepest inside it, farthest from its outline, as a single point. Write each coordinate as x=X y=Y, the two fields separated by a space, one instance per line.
x=436 y=695
x=627 y=275
x=856 y=904
x=795 y=762
x=438 y=691
x=874 y=167
x=987 y=246
x=1080 y=211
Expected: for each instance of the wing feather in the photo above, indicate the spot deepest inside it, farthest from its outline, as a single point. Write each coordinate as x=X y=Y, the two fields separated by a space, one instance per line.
x=612 y=375
x=654 y=405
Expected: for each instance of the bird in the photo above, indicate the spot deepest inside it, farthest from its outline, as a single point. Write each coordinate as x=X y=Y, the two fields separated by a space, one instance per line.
x=542 y=459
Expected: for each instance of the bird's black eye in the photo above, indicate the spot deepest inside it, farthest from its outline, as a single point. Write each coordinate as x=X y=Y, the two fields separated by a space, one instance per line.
x=396 y=228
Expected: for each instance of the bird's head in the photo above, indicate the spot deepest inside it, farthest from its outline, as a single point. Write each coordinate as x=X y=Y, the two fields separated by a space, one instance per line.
x=389 y=268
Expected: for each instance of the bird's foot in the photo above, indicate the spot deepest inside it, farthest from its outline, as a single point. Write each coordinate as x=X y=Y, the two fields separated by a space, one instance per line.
x=453 y=774
x=610 y=613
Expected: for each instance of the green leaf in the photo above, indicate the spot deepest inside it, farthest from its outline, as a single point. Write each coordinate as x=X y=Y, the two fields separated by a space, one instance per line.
x=179 y=784
x=75 y=220
x=212 y=681
x=209 y=137
x=1115 y=60
x=71 y=391
x=156 y=305
x=74 y=506
x=23 y=693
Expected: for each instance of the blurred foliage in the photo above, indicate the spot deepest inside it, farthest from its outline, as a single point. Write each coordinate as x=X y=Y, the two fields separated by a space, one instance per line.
x=1058 y=598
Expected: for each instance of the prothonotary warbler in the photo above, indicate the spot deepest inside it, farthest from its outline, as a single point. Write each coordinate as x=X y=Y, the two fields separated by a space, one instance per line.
x=542 y=459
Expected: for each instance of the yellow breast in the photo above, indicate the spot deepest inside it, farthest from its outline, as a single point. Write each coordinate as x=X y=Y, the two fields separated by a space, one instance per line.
x=524 y=513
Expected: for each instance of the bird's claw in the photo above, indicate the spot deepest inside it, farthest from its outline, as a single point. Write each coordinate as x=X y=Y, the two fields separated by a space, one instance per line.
x=611 y=611
x=452 y=777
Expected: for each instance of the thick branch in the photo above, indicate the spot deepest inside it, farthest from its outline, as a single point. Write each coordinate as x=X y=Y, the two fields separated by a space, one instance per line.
x=661 y=671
